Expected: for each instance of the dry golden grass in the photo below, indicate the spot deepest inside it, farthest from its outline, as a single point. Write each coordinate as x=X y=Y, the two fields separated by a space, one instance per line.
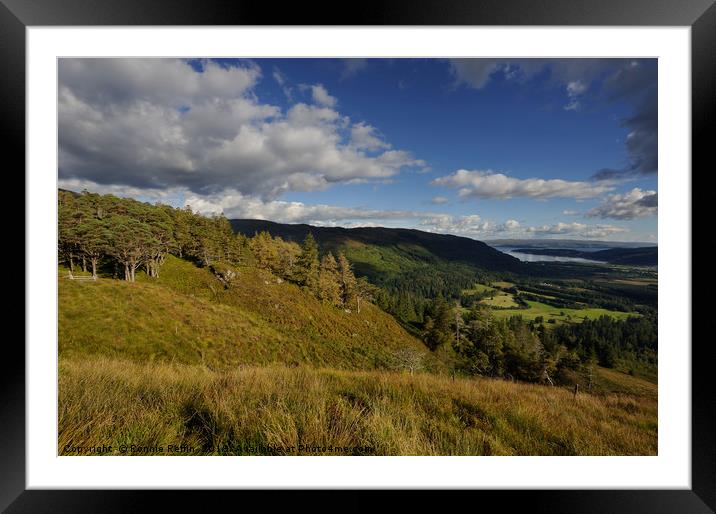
x=242 y=411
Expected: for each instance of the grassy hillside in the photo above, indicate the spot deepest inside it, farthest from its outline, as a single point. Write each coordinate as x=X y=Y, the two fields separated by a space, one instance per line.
x=415 y=245
x=401 y=261
x=187 y=316
x=226 y=357
x=244 y=410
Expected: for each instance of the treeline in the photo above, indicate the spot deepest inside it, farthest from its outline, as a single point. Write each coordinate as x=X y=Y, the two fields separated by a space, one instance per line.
x=611 y=343
x=406 y=295
x=126 y=235
x=122 y=236
x=517 y=349
x=596 y=295
x=606 y=294
x=329 y=277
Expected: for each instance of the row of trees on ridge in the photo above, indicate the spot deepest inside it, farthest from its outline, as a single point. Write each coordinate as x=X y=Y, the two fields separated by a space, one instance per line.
x=124 y=235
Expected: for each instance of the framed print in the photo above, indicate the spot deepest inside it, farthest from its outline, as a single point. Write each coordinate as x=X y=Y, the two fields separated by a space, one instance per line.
x=434 y=248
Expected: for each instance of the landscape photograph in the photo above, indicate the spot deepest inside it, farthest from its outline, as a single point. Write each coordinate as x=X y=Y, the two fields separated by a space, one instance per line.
x=357 y=257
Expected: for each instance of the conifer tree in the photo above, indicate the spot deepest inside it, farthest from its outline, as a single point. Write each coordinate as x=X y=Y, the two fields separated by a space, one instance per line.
x=346 y=279
x=308 y=265
x=438 y=329
x=130 y=242
x=264 y=250
x=162 y=241
x=365 y=292
x=288 y=254
x=182 y=220
x=329 y=288
x=93 y=238
x=67 y=236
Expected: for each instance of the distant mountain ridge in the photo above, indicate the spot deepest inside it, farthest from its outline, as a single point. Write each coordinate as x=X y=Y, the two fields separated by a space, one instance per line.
x=646 y=256
x=418 y=244
x=565 y=243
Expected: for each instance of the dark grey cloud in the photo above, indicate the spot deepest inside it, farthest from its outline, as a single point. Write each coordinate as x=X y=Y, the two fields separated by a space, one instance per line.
x=651 y=200
x=636 y=84
x=606 y=81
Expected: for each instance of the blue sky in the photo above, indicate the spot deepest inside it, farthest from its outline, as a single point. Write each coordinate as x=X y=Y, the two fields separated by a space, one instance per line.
x=481 y=148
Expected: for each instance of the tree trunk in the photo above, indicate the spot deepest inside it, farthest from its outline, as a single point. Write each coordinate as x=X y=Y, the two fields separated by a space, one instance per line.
x=94 y=267
x=84 y=264
x=126 y=272
x=72 y=263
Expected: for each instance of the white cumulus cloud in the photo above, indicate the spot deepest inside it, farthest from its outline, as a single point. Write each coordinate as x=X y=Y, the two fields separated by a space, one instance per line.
x=636 y=203
x=169 y=123
x=490 y=184
x=577 y=229
x=321 y=96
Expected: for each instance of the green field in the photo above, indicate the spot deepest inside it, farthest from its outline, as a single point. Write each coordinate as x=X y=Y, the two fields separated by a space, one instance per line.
x=504 y=305
x=549 y=297
x=560 y=315
x=501 y=300
x=478 y=288
x=503 y=284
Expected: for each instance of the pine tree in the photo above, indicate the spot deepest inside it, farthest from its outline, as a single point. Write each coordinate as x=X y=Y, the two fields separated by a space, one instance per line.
x=483 y=342
x=365 y=292
x=93 y=239
x=288 y=256
x=438 y=325
x=67 y=224
x=162 y=242
x=130 y=241
x=308 y=266
x=329 y=288
x=347 y=280
x=264 y=250
x=182 y=220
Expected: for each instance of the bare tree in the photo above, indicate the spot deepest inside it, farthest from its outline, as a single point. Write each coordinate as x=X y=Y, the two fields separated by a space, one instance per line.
x=409 y=359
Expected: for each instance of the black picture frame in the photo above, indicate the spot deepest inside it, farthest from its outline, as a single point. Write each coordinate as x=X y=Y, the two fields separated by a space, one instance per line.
x=17 y=15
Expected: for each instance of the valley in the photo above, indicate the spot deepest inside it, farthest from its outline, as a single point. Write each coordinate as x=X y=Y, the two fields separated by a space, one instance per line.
x=198 y=332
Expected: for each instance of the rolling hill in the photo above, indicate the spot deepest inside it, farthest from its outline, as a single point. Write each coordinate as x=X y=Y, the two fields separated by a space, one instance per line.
x=215 y=348
x=410 y=265
x=413 y=244
x=575 y=244
x=644 y=256
x=263 y=368
x=187 y=316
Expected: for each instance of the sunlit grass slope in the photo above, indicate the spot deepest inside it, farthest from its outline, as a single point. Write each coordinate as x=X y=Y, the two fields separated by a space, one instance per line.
x=187 y=316
x=247 y=409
